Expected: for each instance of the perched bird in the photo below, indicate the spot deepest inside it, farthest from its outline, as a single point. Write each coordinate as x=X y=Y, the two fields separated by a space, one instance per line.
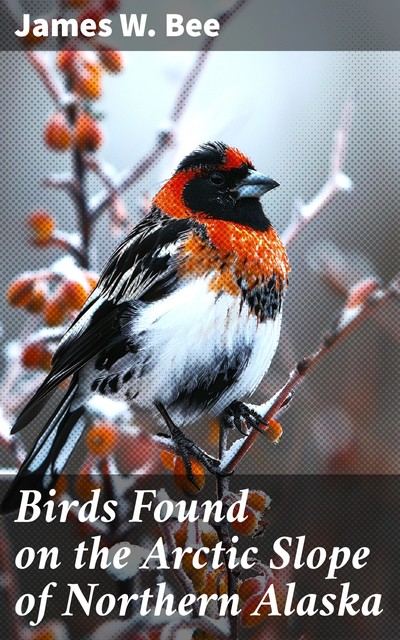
x=185 y=318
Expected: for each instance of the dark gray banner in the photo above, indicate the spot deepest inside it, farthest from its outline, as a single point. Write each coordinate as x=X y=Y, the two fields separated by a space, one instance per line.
x=226 y=25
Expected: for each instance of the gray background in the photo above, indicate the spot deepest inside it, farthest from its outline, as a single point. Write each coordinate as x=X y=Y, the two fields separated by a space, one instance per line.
x=281 y=108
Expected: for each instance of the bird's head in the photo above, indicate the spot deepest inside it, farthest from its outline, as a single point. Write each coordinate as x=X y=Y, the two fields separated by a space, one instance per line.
x=218 y=182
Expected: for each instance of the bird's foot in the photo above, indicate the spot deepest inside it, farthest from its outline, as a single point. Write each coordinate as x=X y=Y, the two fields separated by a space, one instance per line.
x=239 y=415
x=188 y=449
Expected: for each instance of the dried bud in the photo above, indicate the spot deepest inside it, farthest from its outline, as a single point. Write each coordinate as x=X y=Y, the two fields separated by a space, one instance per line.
x=88 y=133
x=101 y=439
x=57 y=133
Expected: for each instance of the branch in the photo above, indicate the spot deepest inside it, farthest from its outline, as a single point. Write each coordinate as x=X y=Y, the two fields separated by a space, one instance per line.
x=337 y=181
x=350 y=320
x=165 y=139
x=49 y=81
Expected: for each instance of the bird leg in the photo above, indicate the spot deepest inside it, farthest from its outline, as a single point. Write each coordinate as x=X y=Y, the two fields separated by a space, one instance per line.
x=239 y=415
x=187 y=448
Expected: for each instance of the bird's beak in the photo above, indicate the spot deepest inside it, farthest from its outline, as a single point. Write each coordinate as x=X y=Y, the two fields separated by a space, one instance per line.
x=255 y=184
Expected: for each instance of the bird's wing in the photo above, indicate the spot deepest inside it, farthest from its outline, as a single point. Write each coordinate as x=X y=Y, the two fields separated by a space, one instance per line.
x=143 y=269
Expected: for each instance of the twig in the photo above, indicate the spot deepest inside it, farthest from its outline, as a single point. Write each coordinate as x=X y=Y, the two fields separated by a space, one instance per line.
x=374 y=302
x=165 y=139
x=52 y=86
x=337 y=181
x=224 y=534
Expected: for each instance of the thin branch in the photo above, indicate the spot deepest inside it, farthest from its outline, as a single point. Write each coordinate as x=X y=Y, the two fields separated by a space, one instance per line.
x=224 y=534
x=48 y=79
x=337 y=182
x=165 y=139
x=374 y=302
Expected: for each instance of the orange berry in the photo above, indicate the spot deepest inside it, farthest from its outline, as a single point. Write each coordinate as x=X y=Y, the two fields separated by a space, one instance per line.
x=361 y=291
x=55 y=312
x=249 y=607
x=209 y=536
x=168 y=459
x=101 y=439
x=42 y=224
x=44 y=634
x=112 y=61
x=182 y=481
x=74 y=294
x=32 y=355
x=38 y=298
x=251 y=587
x=19 y=292
x=92 y=280
x=249 y=525
x=61 y=485
x=77 y=4
x=57 y=133
x=88 y=83
x=181 y=535
x=274 y=431
x=84 y=485
x=257 y=500
x=36 y=356
x=195 y=573
x=89 y=136
x=213 y=435
x=65 y=60
x=30 y=40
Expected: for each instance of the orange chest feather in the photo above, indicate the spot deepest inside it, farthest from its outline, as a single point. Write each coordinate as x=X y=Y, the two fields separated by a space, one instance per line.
x=236 y=252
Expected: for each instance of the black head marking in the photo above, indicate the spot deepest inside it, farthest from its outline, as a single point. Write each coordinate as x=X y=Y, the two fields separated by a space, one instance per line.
x=208 y=154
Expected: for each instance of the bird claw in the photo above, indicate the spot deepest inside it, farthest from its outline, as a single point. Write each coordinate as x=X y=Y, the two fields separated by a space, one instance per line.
x=188 y=449
x=238 y=414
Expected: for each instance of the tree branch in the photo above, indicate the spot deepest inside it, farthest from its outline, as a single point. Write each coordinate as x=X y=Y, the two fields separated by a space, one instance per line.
x=350 y=320
x=165 y=139
x=337 y=181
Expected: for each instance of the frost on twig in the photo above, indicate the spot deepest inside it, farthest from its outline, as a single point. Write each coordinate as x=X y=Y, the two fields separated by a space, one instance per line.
x=351 y=318
x=337 y=181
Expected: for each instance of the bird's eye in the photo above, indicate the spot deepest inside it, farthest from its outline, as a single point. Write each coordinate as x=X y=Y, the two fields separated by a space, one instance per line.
x=217 y=178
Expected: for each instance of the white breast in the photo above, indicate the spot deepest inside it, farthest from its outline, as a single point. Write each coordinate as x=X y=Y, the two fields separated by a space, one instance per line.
x=189 y=332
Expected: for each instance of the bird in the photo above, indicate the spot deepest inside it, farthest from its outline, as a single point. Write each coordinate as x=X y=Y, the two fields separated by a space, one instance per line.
x=184 y=320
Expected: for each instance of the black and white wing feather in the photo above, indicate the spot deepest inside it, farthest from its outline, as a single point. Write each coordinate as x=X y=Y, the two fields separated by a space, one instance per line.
x=142 y=270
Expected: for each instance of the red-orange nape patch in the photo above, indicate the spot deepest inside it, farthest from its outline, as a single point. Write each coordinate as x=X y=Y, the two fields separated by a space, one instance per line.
x=236 y=252
x=235 y=159
x=170 y=200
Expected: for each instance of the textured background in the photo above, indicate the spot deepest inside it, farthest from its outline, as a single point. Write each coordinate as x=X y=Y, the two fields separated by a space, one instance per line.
x=282 y=110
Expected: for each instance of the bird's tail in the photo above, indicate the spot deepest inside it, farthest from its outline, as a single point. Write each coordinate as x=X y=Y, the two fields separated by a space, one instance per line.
x=50 y=453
